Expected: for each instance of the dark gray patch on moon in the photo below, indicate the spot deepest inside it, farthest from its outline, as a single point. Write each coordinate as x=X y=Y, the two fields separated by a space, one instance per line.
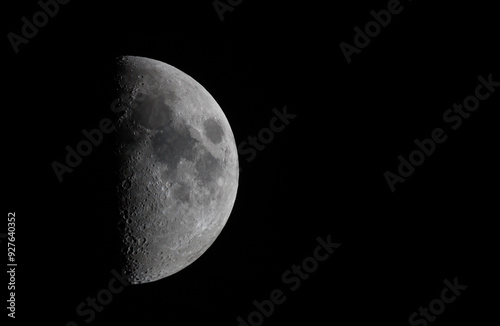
x=152 y=112
x=171 y=144
x=182 y=192
x=213 y=131
x=208 y=168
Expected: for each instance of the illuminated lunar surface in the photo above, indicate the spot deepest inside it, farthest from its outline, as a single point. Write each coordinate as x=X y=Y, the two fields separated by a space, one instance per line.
x=178 y=168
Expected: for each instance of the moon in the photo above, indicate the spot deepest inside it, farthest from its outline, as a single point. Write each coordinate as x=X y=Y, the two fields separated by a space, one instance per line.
x=178 y=170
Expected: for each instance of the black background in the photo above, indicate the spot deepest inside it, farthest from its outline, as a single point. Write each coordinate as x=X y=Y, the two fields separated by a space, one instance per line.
x=322 y=175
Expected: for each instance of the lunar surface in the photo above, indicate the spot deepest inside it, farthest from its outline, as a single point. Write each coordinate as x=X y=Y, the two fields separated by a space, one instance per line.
x=178 y=168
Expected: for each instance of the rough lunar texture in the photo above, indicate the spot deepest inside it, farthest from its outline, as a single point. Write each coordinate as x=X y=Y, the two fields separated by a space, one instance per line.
x=179 y=168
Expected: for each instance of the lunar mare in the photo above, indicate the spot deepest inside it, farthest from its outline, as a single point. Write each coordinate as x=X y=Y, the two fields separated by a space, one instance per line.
x=178 y=172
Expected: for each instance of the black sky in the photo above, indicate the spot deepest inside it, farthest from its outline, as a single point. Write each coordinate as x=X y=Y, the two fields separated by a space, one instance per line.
x=323 y=175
